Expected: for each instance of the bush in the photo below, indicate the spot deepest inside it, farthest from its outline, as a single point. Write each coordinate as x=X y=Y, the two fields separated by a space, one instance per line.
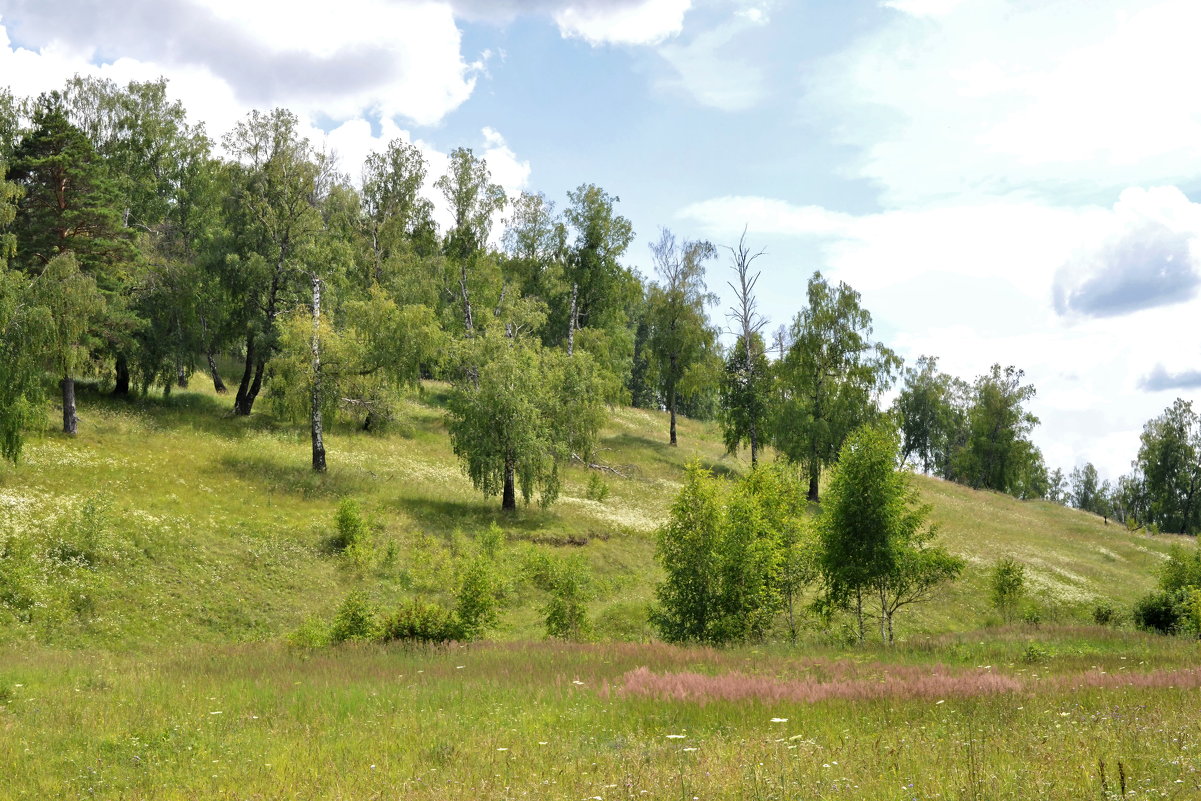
x=1031 y=615
x=476 y=606
x=355 y=620
x=566 y=612
x=352 y=534
x=419 y=621
x=597 y=490
x=1007 y=583
x=1157 y=611
x=1104 y=614
x=1035 y=653
x=312 y=633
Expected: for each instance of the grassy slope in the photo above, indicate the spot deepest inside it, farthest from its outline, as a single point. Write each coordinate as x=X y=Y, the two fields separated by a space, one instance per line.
x=214 y=525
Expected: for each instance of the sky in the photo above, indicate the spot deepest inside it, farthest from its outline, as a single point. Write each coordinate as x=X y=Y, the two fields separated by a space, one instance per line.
x=1004 y=181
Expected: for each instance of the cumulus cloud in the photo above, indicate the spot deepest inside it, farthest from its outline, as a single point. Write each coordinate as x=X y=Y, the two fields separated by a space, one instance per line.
x=1160 y=380
x=1150 y=259
x=399 y=59
x=641 y=23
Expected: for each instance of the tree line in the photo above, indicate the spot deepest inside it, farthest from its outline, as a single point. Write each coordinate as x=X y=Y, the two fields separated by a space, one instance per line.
x=137 y=251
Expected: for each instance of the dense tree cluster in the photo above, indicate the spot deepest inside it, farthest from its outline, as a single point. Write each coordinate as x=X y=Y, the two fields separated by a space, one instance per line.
x=134 y=250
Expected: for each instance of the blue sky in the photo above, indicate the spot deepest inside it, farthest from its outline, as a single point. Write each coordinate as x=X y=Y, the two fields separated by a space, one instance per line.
x=1003 y=180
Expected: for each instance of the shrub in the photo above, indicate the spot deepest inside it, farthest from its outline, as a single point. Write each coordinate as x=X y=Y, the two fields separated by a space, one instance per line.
x=566 y=611
x=419 y=621
x=476 y=606
x=1035 y=653
x=1007 y=584
x=597 y=490
x=1104 y=614
x=355 y=620
x=351 y=529
x=1157 y=611
x=1031 y=615
x=312 y=633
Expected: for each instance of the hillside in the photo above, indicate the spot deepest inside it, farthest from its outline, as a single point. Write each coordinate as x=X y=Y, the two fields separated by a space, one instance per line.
x=170 y=521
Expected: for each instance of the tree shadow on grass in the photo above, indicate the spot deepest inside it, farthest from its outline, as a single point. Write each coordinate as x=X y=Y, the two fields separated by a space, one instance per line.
x=439 y=515
x=646 y=450
x=296 y=479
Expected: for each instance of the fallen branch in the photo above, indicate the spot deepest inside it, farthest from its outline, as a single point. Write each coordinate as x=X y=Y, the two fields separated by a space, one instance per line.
x=604 y=468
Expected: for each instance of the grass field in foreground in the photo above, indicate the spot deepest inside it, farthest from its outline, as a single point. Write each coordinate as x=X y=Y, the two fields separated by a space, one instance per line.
x=1052 y=713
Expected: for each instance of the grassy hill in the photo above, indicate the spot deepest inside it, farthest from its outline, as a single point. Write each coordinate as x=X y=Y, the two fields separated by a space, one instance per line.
x=170 y=521
x=170 y=547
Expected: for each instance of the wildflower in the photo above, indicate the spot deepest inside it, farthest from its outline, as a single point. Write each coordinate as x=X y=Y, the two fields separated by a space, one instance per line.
x=779 y=720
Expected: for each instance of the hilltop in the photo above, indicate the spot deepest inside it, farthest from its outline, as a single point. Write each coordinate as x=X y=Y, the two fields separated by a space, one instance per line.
x=175 y=522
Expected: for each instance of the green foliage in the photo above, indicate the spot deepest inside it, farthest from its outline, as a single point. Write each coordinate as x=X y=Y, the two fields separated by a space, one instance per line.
x=352 y=536
x=746 y=394
x=687 y=549
x=520 y=415
x=998 y=454
x=421 y=621
x=477 y=608
x=1169 y=460
x=606 y=293
x=1007 y=586
x=874 y=538
x=1085 y=489
x=731 y=563
x=1158 y=611
x=932 y=415
x=830 y=379
x=598 y=489
x=24 y=331
x=74 y=304
x=680 y=333
x=355 y=620
x=1105 y=613
x=569 y=585
x=70 y=201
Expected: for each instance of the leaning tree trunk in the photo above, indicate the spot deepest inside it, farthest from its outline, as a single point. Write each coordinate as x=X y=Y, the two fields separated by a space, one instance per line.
x=671 y=407
x=121 y=387
x=315 y=396
x=509 y=499
x=218 y=384
x=70 y=421
x=241 y=406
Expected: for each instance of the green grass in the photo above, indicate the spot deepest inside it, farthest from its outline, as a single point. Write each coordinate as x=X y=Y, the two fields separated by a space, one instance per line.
x=152 y=568
x=554 y=721
x=215 y=528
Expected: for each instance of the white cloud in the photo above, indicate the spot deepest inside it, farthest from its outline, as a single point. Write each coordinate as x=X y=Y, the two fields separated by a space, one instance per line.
x=712 y=66
x=1151 y=256
x=996 y=97
x=641 y=23
x=397 y=59
x=974 y=284
x=507 y=169
x=923 y=8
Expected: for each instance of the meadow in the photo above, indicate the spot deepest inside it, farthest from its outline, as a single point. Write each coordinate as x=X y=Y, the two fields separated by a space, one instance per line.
x=155 y=569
